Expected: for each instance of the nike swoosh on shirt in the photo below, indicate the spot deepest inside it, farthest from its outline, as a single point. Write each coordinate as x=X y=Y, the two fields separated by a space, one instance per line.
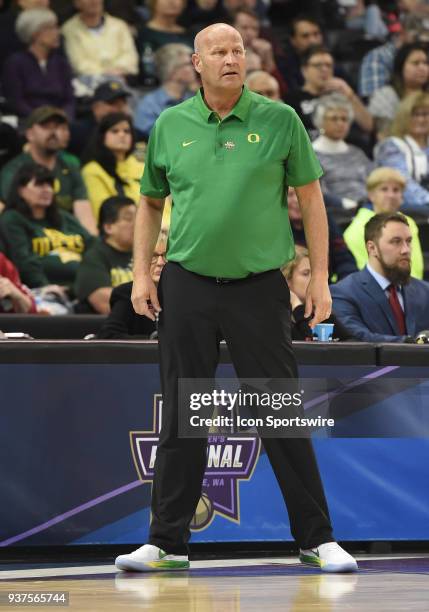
x=186 y=144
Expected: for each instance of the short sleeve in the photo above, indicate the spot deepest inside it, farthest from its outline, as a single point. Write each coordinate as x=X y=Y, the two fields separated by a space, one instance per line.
x=154 y=181
x=302 y=165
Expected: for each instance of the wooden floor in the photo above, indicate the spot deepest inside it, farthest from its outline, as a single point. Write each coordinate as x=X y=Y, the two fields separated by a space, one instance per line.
x=264 y=585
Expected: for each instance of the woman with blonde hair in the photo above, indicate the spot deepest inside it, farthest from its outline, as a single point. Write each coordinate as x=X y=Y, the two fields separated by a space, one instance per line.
x=298 y=275
x=407 y=149
x=385 y=188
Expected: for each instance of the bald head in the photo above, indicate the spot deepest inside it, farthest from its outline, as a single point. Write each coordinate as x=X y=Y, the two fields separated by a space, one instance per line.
x=264 y=83
x=219 y=59
x=213 y=34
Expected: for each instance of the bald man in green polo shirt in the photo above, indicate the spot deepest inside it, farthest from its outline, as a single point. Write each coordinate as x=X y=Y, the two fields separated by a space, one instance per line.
x=227 y=157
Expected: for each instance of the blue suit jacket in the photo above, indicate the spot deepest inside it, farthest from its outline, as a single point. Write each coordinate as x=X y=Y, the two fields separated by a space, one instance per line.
x=362 y=306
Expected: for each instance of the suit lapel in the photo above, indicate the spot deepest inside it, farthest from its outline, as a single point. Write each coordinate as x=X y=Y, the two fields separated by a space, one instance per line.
x=410 y=313
x=376 y=293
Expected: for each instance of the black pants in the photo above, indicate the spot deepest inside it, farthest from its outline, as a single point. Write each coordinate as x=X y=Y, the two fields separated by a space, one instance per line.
x=252 y=315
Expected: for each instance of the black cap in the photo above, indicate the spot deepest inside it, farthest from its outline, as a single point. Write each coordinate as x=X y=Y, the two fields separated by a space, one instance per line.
x=42 y=114
x=109 y=91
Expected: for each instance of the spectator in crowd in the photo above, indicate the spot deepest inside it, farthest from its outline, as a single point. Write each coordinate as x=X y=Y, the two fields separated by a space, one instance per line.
x=112 y=168
x=202 y=13
x=246 y=21
x=410 y=74
x=10 y=144
x=377 y=65
x=345 y=166
x=407 y=148
x=162 y=28
x=341 y=262
x=178 y=82
x=123 y=323
x=109 y=97
x=298 y=275
x=45 y=242
x=45 y=138
x=385 y=188
x=40 y=75
x=305 y=32
x=97 y=44
x=14 y=296
x=107 y=263
x=9 y=41
x=318 y=71
x=367 y=17
x=264 y=84
x=253 y=62
x=383 y=303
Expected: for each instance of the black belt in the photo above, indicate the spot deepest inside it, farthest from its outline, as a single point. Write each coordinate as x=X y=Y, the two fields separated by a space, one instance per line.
x=221 y=280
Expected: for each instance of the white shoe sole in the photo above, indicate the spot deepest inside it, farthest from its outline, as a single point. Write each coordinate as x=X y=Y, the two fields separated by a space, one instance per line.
x=128 y=565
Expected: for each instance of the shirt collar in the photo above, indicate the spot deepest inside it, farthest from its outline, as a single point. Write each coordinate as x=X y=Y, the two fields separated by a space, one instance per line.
x=240 y=110
x=381 y=280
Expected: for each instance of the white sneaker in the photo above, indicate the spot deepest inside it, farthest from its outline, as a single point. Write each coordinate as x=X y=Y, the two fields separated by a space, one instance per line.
x=330 y=557
x=149 y=558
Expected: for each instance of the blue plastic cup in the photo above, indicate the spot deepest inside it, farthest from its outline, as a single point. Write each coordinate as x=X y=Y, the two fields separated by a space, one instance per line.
x=322 y=332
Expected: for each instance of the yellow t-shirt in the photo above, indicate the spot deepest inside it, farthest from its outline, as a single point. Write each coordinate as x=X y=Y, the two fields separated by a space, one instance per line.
x=101 y=185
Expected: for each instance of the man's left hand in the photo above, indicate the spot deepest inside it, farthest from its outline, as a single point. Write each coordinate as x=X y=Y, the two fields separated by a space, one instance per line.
x=318 y=299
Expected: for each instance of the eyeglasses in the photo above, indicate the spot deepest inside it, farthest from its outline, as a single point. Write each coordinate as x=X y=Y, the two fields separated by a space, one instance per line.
x=320 y=65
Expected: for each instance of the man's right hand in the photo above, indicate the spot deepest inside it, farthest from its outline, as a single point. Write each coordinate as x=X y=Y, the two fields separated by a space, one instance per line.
x=144 y=297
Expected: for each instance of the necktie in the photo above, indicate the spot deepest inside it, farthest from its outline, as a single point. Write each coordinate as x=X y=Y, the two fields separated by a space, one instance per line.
x=398 y=313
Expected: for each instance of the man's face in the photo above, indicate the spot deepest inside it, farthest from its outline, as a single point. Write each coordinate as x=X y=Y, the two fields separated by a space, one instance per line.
x=386 y=197
x=393 y=252
x=266 y=85
x=306 y=34
x=122 y=230
x=248 y=27
x=47 y=136
x=320 y=68
x=119 y=105
x=221 y=61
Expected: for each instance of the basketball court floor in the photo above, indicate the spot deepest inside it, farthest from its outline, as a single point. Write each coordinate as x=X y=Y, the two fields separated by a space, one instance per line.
x=395 y=582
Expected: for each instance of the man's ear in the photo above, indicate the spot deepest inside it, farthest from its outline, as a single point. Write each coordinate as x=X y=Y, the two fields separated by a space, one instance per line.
x=107 y=229
x=371 y=248
x=196 y=62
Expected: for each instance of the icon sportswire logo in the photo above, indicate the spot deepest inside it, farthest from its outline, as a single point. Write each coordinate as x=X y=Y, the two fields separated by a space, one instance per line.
x=186 y=143
x=230 y=459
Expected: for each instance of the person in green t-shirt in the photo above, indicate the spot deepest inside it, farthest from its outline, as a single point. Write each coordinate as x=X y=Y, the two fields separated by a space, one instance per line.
x=46 y=135
x=45 y=242
x=227 y=156
x=108 y=263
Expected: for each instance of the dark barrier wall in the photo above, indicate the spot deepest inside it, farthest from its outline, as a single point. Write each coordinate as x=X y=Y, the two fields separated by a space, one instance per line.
x=79 y=427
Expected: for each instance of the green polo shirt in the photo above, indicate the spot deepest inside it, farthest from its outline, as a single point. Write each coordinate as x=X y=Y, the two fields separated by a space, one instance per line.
x=228 y=180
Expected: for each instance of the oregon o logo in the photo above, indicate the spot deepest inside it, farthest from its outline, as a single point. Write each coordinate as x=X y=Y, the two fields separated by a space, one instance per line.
x=253 y=138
